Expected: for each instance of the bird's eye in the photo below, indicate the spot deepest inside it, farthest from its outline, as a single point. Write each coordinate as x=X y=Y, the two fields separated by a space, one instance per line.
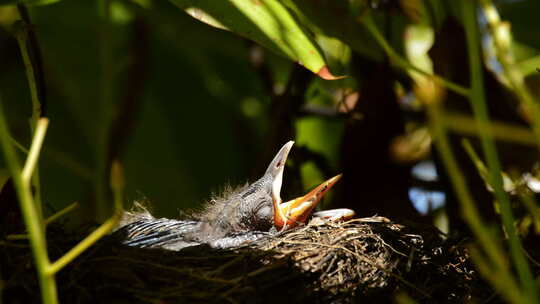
x=264 y=212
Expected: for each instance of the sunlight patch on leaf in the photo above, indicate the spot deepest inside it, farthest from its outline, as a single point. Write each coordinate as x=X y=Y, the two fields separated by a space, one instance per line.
x=267 y=22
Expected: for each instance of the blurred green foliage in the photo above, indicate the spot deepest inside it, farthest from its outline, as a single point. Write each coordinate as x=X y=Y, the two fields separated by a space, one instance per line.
x=191 y=134
x=188 y=108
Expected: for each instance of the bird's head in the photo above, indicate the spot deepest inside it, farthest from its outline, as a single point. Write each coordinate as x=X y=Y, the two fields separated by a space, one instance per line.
x=284 y=214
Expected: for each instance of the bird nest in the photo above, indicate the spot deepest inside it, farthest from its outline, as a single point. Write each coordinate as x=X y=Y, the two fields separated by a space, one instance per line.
x=370 y=259
x=347 y=255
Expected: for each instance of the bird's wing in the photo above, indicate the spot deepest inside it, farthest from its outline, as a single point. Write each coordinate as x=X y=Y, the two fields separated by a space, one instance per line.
x=151 y=233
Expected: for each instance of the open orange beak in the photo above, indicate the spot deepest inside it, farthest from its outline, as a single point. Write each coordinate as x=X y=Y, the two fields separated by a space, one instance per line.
x=296 y=211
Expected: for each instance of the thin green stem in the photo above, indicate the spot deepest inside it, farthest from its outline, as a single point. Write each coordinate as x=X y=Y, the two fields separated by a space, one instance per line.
x=488 y=146
x=502 y=40
x=117 y=186
x=2 y=287
x=35 y=149
x=404 y=63
x=532 y=206
x=403 y=298
x=488 y=242
x=512 y=133
x=507 y=288
x=93 y=237
x=529 y=66
x=30 y=215
x=480 y=167
x=61 y=213
x=13 y=237
x=22 y=36
x=468 y=206
x=19 y=145
x=49 y=220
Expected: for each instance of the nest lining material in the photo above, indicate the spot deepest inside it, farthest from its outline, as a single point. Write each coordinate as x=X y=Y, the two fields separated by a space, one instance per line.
x=320 y=262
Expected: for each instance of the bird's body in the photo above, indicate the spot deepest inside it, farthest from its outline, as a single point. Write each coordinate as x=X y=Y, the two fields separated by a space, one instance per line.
x=225 y=221
x=244 y=214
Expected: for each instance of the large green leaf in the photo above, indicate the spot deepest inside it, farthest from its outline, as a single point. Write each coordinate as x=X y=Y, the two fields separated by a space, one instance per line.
x=267 y=22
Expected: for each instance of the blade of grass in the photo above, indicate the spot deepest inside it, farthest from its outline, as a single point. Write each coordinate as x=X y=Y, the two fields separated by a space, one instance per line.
x=478 y=103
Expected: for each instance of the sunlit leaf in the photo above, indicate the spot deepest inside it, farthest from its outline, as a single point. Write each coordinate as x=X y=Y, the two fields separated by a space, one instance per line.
x=338 y=19
x=267 y=22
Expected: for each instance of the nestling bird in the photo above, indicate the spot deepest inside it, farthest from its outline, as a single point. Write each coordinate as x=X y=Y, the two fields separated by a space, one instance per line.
x=241 y=215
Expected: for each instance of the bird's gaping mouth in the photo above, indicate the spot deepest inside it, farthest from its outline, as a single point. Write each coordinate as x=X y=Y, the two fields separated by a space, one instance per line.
x=296 y=211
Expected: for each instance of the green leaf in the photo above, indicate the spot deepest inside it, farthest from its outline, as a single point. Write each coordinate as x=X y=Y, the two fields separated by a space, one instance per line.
x=28 y=2
x=267 y=22
x=340 y=20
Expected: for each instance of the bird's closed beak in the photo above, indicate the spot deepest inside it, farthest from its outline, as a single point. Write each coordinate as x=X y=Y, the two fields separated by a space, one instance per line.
x=297 y=211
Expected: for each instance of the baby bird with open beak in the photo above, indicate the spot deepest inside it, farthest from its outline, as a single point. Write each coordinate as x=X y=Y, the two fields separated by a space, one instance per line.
x=242 y=215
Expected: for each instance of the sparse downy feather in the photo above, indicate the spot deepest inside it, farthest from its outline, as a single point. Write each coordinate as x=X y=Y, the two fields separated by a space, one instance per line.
x=237 y=215
x=137 y=213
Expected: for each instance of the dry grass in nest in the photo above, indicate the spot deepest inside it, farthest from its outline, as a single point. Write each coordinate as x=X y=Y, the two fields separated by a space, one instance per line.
x=348 y=255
